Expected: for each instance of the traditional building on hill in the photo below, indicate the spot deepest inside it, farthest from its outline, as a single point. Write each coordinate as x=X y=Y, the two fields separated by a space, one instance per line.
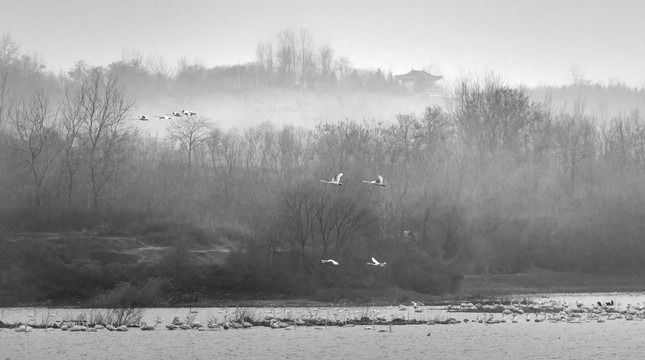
x=418 y=81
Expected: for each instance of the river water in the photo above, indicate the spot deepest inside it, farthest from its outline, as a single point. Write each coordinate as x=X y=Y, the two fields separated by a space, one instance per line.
x=615 y=339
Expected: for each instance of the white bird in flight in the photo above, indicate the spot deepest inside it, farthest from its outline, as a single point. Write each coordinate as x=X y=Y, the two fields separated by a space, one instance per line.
x=377 y=263
x=379 y=181
x=176 y=113
x=334 y=262
x=188 y=112
x=164 y=117
x=142 y=118
x=335 y=180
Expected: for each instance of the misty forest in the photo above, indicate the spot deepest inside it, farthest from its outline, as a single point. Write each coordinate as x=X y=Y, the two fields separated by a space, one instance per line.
x=487 y=178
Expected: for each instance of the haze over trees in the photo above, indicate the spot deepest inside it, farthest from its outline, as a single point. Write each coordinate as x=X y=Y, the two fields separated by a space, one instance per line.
x=492 y=182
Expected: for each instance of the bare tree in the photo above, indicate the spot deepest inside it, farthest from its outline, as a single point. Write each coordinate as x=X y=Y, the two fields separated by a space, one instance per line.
x=79 y=72
x=575 y=141
x=4 y=97
x=298 y=209
x=341 y=142
x=306 y=63
x=8 y=50
x=620 y=141
x=8 y=55
x=257 y=154
x=293 y=151
x=352 y=214
x=37 y=143
x=491 y=116
x=326 y=62
x=158 y=66
x=294 y=59
x=226 y=153
x=578 y=76
x=264 y=58
x=342 y=66
x=286 y=54
x=103 y=134
x=189 y=132
x=72 y=117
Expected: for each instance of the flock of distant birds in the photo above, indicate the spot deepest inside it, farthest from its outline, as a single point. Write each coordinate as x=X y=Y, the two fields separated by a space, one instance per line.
x=168 y=116
x=551 y=311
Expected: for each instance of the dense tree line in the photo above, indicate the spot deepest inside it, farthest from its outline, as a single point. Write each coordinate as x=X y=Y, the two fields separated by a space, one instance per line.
x=290 y=61
x=493 y=182
x=294 y=59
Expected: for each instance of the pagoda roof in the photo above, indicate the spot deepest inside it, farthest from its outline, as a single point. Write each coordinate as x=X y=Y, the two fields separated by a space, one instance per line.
x=418 y=75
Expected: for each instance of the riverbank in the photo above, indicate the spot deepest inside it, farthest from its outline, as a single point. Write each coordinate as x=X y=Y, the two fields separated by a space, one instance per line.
x=474 y=288
x=493 y=288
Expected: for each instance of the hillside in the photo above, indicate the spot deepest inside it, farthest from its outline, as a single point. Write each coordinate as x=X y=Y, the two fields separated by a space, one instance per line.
x=75 y=267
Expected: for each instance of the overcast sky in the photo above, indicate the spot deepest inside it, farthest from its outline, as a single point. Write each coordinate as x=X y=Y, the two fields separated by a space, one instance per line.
x=530 y=42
